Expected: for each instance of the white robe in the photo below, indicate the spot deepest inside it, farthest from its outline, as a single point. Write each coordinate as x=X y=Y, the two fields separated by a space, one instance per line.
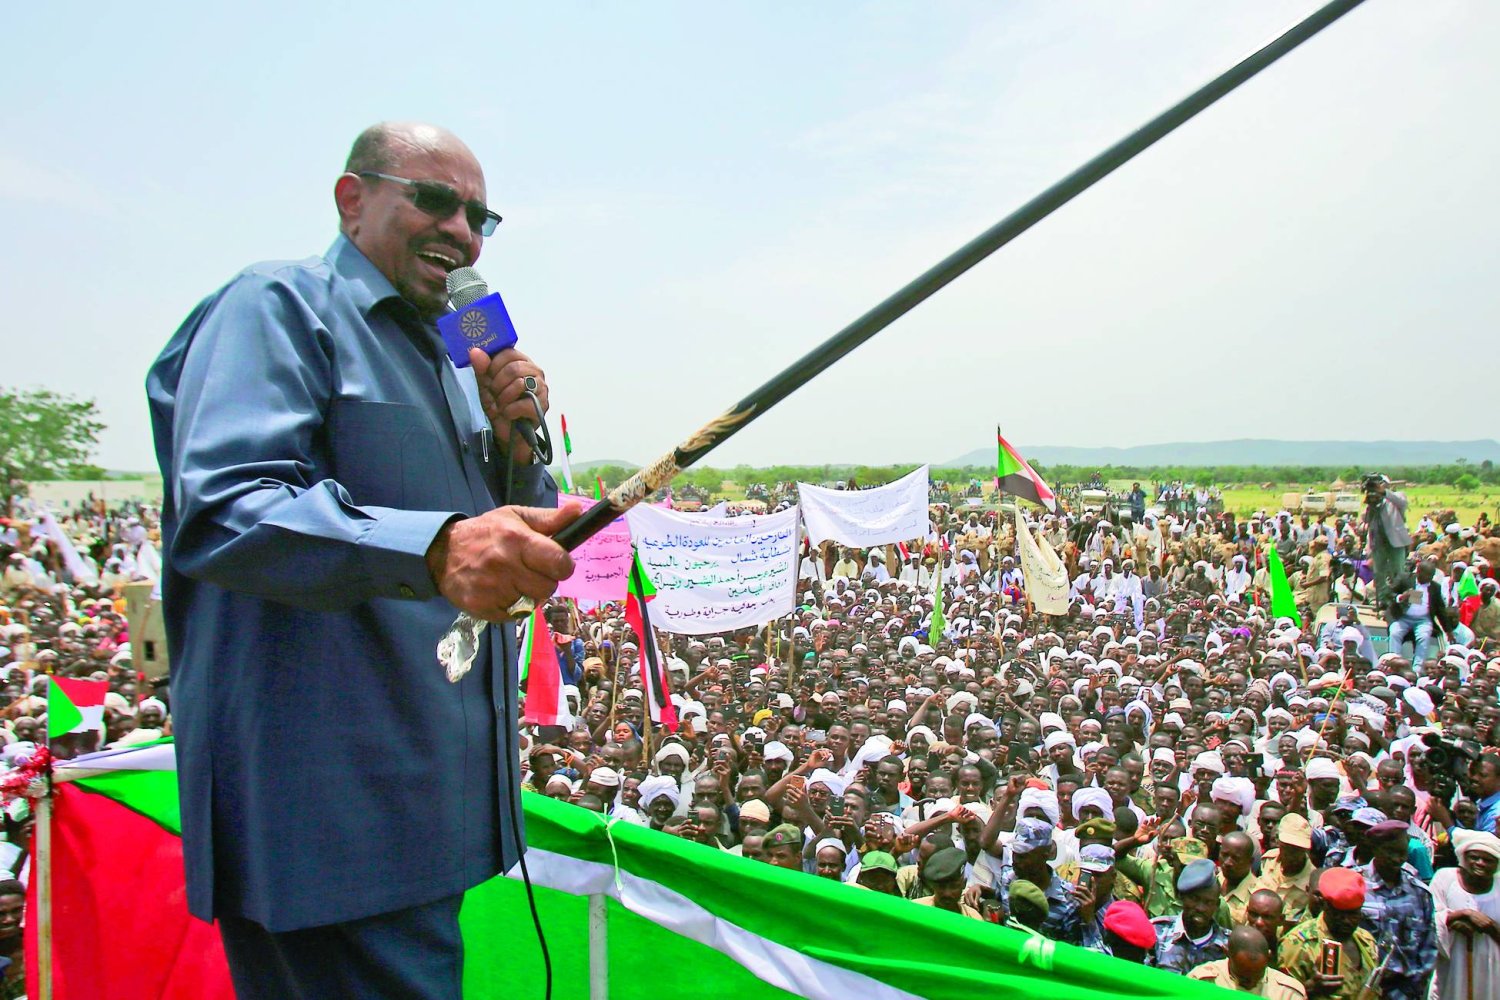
x=1448 y=894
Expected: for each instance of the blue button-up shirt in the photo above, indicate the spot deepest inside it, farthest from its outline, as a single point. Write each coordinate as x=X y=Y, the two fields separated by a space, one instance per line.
x=1489 y=814
x=313 y=438
x=1401 y=919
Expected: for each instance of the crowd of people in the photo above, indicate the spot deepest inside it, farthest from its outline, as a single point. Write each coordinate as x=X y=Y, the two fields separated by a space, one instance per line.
x=1169 y=773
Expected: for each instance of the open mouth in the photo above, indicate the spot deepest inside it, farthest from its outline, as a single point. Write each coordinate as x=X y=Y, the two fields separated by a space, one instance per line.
x=439 y=261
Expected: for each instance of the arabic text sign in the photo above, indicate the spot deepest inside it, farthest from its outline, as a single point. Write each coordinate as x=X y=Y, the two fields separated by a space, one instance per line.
x=601 y=565
x=717 y=574
x=895 y=512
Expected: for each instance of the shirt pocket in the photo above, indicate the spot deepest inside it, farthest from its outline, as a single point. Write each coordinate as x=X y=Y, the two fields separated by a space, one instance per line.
x=388 y=455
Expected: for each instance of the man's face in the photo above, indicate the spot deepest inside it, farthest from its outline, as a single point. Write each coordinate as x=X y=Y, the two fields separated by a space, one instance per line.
x=830 y=864
x=1390 y=855
x=1267 y=821
x=11 y=909
x=1485 y=777
x=751 y=786
x=1235 y=858
x=754 y=846
x=1199 y=908
x=1266 y=913
x=786 y=856
x=1117 y=784
x=1341 y=923
x=414 y=250
x=1206 y=824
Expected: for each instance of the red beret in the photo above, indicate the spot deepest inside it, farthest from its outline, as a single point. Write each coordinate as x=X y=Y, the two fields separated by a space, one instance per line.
x=1129 y=922
x=1342 y=888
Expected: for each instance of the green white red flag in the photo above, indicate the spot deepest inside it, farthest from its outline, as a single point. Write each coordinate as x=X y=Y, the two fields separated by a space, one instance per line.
x=121 y=927
x=74 y=706
x=1015 y=476
x=653 y=665
x=541 y=672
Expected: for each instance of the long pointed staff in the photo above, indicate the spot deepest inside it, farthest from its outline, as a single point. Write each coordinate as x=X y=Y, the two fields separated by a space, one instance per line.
x=716 y=432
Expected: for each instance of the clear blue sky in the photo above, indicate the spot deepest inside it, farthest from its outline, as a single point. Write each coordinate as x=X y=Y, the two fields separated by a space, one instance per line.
x=696 y=193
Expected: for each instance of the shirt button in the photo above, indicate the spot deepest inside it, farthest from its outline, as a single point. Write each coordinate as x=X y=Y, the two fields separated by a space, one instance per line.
x=406 y=591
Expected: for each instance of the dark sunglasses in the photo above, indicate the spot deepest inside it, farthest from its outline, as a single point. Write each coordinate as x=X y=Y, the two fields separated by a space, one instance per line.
x=440 y=201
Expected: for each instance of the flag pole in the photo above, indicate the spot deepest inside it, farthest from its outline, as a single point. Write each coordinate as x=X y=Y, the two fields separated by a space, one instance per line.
x=717 y=431
x=43 y=873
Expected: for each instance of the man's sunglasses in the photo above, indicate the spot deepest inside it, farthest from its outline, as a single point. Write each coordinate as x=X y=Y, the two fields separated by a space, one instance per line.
x=440 y=201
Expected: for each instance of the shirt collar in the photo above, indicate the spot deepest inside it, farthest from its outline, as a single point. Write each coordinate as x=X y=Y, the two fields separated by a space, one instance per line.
x=367 y=285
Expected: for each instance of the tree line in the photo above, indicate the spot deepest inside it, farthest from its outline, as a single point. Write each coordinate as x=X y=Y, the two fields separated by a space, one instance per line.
x=1460 y=475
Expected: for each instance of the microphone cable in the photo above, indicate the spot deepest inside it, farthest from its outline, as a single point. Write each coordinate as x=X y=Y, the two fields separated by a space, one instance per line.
x=511 y=765
x=541 y=439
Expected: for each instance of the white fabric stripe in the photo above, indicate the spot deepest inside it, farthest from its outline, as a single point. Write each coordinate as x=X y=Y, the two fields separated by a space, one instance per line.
x=161 y=757
x=777 y=964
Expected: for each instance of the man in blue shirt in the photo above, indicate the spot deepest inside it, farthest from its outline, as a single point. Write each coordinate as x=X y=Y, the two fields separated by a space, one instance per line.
x=332 y=488
x=1484 y=775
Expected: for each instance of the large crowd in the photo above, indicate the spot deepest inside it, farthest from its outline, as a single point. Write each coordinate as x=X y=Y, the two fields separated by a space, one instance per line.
x=1169 y=773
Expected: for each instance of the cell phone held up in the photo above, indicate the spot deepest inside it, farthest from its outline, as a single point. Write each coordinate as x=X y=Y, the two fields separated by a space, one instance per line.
x=1328 y=963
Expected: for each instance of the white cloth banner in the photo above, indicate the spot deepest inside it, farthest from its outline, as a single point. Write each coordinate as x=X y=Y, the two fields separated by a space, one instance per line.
x=716 y=574
x=895 y=512
x=81 y=571
x=1046 y=576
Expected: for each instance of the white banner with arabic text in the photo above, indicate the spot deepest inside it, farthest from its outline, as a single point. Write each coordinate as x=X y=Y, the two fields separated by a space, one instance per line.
x=716 y=574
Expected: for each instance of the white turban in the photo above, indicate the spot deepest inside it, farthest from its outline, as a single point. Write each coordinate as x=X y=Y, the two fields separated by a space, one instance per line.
x=1465 y=841
x=921 y=731
x=672 y=750
x=1051 y=720
x=823 y=776
x=1419 y=700
x=777 y=750
x=1043 y=799
x=659 y=785
x=1240 y=791
x=1321 y=767
x=978 y=719
x=1058 y=736
x=959 y=698
x=1096 y=797
x=1210 y=760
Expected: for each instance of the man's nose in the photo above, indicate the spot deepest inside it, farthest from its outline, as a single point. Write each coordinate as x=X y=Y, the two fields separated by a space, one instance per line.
x=456 y=228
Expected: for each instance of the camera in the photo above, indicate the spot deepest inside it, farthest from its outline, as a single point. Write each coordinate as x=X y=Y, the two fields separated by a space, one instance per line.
x=1447 y=762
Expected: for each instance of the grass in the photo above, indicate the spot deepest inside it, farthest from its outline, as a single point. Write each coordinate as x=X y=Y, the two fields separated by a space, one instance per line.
x=1245 y=500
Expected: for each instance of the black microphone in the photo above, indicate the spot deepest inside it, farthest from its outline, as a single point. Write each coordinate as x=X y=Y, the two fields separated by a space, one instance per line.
x=465 y=288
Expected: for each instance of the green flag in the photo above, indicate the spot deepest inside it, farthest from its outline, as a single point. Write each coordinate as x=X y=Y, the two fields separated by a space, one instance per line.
x=1467 y=586
x=1283 y=601
x=62 y=715
x=938 y=623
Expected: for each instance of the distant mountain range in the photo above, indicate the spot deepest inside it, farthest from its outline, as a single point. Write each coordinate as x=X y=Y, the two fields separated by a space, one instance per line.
x=1253 y=451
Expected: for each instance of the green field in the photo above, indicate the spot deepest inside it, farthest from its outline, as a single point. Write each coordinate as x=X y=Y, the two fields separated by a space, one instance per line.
x=1246 y=500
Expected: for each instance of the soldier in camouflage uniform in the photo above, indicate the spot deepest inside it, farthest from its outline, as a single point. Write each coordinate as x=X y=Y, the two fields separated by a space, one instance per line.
x=1338 y=894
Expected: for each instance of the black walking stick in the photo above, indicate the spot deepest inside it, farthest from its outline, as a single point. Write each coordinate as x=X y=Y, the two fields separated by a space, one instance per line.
x=717 y=431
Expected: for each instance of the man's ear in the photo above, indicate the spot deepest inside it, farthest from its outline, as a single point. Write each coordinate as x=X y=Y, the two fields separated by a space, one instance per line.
x=349 y=197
